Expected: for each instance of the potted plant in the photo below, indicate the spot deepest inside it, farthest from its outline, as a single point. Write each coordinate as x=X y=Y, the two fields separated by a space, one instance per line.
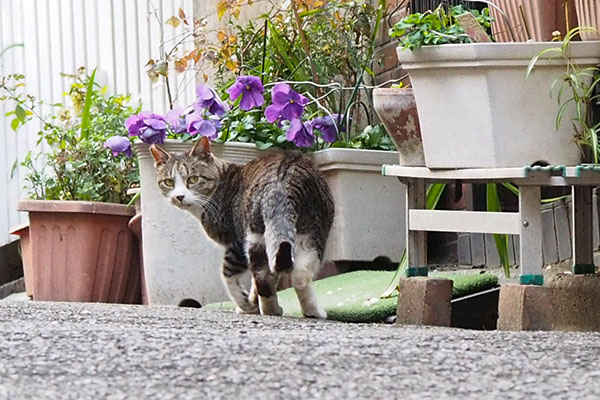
x=397 y=110
x=324 y=122
x=80 y=245
x=476 y=109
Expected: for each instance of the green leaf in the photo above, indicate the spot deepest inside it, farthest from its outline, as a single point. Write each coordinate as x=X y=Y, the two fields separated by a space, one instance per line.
x=14 y=125
x=21 y=113
x=262 y=145
x=512 y=188
x=85 y=116
x=434 y=193
x=493 y=205
x=10 y=47
x=13 y=170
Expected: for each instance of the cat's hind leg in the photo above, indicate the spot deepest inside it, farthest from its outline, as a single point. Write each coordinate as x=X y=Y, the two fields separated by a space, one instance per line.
x=264 y=281
x=306 y=265
x=234 y=268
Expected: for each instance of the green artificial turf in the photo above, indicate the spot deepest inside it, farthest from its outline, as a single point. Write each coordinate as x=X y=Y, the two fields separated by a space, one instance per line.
x=354 y=296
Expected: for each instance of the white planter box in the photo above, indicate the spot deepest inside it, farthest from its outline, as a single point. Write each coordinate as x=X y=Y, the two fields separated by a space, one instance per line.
x=369 y=207
x=180 y=262
x=476 y=110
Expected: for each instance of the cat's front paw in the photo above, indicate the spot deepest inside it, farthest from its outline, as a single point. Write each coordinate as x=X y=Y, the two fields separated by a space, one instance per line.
x=315 y=312
x=248 y=309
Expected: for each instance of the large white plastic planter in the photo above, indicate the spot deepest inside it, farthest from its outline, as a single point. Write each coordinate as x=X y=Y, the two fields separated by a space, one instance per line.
x=180 y=262
x=369 y=208
x=477 y=110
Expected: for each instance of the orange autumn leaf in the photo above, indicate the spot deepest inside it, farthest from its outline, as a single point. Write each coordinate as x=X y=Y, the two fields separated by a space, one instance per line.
x=181 y=64
x=231 y=65
x=221 y=36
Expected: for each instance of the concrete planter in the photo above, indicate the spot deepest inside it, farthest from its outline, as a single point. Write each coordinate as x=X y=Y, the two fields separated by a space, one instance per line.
x=397 y=110
x=82 y=251
x=369 y=208
x=476 y=110
x=181 y=263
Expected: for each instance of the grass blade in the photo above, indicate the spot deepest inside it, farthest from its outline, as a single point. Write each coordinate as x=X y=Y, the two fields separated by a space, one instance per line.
x=85 y=115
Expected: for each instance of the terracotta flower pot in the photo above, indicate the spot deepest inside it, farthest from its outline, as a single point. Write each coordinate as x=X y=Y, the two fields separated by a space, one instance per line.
x=23 y=232
x=588 y=14
x=542 y=16
x=397 y=110
x=82 y=251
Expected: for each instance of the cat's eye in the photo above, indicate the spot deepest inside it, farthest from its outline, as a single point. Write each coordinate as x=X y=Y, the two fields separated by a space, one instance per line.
x=169 y=183
x=192 y=180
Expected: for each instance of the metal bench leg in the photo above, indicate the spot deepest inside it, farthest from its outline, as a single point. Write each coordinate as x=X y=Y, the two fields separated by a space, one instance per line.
x=532 y=261
x=583 y=247
x=416 y=241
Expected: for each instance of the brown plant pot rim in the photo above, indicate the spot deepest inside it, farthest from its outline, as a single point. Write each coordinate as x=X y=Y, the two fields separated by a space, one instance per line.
x=72 y=206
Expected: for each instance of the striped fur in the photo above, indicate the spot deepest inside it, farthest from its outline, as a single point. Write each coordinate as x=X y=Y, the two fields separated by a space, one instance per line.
x=272 y=215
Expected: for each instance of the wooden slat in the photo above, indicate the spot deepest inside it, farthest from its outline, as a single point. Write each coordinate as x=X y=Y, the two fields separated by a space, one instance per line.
x=582 y=226
x=416 y=241
x=532 y=261
x=473 y=173
x=464 y=221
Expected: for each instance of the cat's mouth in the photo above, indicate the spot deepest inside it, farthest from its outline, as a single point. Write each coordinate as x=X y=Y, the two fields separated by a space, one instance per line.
x=180 y=203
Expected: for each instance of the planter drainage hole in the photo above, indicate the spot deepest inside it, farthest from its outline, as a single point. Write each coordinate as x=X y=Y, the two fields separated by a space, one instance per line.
x=190 y=303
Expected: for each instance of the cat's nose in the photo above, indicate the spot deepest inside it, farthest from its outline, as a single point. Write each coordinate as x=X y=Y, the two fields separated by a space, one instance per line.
x=180 y=198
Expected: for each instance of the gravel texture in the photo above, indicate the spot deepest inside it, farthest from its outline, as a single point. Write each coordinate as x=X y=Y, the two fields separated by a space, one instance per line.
x=95 y=351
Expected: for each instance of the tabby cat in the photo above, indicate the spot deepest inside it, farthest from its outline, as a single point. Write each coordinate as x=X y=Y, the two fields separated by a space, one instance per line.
x=272 y=216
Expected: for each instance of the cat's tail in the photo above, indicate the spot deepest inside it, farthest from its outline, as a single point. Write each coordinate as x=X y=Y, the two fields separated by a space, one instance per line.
x=280 y=230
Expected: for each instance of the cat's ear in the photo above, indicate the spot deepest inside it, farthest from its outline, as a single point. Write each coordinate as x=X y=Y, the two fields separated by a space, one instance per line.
x=201 y=148
x=160 y=156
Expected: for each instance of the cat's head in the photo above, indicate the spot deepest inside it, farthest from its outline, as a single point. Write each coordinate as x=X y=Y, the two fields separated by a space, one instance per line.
x=187 y=179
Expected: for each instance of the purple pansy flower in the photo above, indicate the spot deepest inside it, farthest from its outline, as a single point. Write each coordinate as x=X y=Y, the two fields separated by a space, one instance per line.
x=208 y=99
x=118 y=145
x=176 y=120
x=287 y=104
x=150 y=127
x=250 y=88
x=327 y=126
x=301 y=133
x=198 y=124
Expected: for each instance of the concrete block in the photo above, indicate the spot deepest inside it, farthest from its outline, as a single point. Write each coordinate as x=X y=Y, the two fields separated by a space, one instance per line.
x=549 y=244
x=464 y=249
x=576 y=302
x=477 y=249
x=525 y=308
x=424 y=301
x=563 y=232
x=491 y=251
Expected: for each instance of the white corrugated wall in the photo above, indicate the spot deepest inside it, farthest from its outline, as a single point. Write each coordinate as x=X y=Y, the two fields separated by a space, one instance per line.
x=117 y=36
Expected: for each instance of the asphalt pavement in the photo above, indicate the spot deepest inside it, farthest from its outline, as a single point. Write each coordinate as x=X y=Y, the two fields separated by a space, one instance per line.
x=99 y=351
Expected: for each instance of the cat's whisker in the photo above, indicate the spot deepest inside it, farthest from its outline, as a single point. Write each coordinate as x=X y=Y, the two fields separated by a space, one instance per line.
x=206 y=207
